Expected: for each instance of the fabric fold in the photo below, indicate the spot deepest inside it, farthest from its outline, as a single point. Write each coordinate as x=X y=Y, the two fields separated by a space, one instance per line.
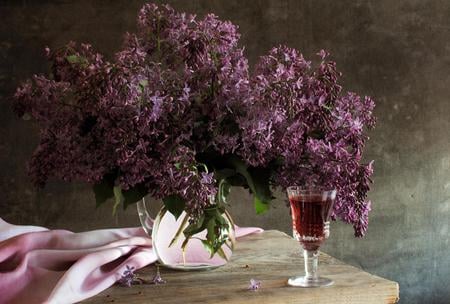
x=38 y=265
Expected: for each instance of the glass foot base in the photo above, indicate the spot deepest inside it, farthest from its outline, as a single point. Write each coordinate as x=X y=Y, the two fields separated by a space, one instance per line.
x=302 y=281
x=191 y=266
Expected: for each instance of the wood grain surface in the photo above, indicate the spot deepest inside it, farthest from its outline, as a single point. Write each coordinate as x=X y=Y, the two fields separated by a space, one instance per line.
x=270 y=257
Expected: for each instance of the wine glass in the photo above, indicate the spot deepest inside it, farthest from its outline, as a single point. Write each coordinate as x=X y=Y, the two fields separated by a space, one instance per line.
x=311 y=209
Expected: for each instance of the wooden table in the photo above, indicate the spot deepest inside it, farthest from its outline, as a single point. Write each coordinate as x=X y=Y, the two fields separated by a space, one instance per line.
x=270 y=257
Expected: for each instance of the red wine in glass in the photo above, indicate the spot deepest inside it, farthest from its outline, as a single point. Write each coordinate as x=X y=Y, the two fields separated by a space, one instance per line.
x=310 y=210
x=310 y=215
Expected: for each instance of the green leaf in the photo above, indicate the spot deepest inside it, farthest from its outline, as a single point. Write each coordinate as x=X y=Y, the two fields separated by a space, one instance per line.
x=143 y=83
x=261 y=178
x=258 y=182
x=238 y=180
x=211 y=228
x=222 y=221
x=185 y=242
x=103 y=191
x=180 y=230
x=226 y=188
x=261 y=184
x=196 y=227
x=134 y=195
x=106 y=190
x=217 y=231
x=260 y=206
x=208 y=247
x=222 y=254
x=119 y=199
x=73 y=59
x=230 y=244
x=224 y=173
x=232 y=177
x=175 y=204
x=77 y=59
x=204 y=166
x=242 y=169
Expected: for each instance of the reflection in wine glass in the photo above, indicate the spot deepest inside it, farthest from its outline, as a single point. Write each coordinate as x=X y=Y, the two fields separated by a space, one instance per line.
x=311 y=209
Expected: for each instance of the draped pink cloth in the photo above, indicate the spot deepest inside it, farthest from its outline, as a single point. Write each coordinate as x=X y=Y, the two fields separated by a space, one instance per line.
x=38 y=265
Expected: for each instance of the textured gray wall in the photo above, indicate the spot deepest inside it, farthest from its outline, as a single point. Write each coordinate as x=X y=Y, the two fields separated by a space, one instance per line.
x=396 y=51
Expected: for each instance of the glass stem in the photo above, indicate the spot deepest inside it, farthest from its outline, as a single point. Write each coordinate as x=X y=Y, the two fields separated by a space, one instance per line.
x=311 y=263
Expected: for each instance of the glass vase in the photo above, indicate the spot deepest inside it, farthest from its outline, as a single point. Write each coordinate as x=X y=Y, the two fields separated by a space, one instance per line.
x=167 y=239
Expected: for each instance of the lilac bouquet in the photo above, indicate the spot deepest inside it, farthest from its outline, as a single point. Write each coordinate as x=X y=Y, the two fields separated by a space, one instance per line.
x=176 y=115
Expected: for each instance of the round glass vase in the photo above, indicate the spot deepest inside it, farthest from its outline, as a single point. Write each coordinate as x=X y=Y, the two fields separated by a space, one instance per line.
x=167 y=238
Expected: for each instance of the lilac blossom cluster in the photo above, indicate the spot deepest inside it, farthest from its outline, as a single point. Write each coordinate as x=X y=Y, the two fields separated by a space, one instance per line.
x=300 y=115
x=180 y=88
x=128 y=277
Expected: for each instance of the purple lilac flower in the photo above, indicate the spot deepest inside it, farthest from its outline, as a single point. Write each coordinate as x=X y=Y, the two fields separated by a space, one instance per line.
x=298 y=113
x=157 y=279
x=180 y=88
x=254 y=285
x=128 y=276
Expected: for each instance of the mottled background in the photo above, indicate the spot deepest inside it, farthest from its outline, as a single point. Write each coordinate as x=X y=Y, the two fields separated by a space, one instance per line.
x=396 y=51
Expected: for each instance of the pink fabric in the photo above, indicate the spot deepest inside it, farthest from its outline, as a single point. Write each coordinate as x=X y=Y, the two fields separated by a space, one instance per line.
x=38 y=265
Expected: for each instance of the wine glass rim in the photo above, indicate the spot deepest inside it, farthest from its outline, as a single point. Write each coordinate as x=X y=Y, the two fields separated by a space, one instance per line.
x=310 y=189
